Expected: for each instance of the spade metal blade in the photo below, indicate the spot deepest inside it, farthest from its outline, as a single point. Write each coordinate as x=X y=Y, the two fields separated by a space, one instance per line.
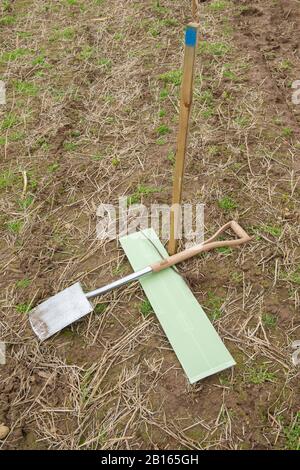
x=59 y=311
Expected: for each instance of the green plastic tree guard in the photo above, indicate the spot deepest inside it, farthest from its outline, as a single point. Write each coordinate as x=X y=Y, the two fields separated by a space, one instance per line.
x=195 y=341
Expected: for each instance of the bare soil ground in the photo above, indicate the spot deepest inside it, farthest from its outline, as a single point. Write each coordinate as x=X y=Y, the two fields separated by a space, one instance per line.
x=86 y=110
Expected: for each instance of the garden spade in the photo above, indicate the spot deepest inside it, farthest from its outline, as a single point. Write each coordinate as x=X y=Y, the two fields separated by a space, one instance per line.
x=73 y=303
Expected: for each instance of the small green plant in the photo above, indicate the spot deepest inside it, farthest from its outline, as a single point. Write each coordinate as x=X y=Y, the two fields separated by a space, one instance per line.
x=287 y=132
x=207 y=113
x=227 y=95
x=293 y=276
x=206 y=97
x=241 y=121
x=145 y=308
x=9 y=121
x=87 y=52
x=66 y=34
x=160 y=9
x=70 y=146
x=161 y=113
x=273 y=230
x=24 y=34
x=170 y=22
x=100 y=308
x=154 y=31
x=23 y=308
x=141 y=190
x=227 y=28
x=15 y=226
x=292 y=434
x=214 y=150
x=225 y=250
x=115 y=161
x=214 y=304
x=227 y=204
x=26 y=88
x=53 y=167
x=161 y=141
x=285 y=65
x=7 y=20
x=119 y=270
x=224 y=380
x=11 y=56
x=269 y=320
x=23 y=283
x=16 y=136
x=118 y=36
x=171 y=157
x=163 y=129
x=32 y=183
x=229 y=74
x=109 y=99
x=26 y=202
x=7 y=179
x=42 y=143
x=157 y=26
x=173 y=76
x=236 y=277
x=218 y=5
x=39 y=73
x=213 y=48
x=260 y=375
x=163 y=94
x=97 y=157
x=110 y=119
x=277 y=121
x=75 y=133
x=6 y=5
x=105 y=63
x=39 y=60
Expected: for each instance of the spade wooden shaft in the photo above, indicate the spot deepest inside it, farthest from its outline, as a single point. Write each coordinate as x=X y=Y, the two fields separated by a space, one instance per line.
x=208 y=245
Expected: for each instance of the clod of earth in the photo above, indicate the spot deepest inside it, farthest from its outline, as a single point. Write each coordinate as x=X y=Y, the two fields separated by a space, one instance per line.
x=4 y=430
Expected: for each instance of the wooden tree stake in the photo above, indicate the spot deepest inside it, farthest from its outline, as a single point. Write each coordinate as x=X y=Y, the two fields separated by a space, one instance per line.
x=186 y=97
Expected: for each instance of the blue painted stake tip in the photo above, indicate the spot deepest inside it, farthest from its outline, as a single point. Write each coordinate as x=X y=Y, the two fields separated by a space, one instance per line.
x=190 y=36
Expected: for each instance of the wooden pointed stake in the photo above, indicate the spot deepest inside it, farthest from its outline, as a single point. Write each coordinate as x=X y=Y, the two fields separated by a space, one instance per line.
x=195 y=10
x=186 y=97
